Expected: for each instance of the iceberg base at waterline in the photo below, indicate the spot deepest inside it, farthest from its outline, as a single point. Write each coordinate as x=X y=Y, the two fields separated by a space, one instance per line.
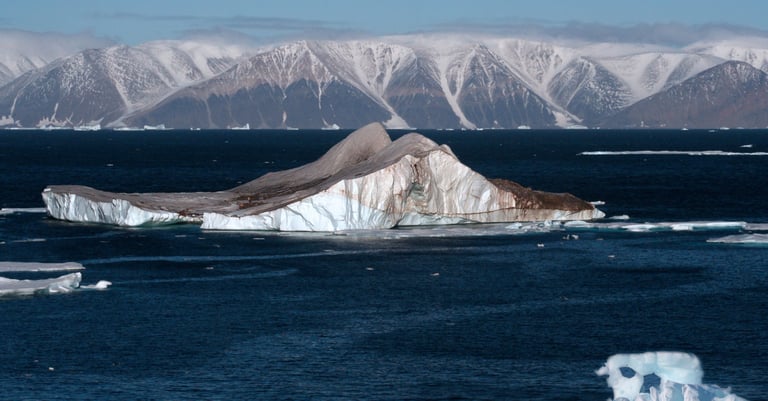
x=678 y=376
x=366 y=181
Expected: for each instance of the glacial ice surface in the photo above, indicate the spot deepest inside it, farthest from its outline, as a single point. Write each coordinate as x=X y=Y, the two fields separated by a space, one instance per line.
x=679 y=373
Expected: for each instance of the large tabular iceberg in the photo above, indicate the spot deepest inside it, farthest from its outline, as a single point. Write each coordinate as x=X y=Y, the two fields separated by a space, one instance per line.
x=679 y=378
x=366 y=181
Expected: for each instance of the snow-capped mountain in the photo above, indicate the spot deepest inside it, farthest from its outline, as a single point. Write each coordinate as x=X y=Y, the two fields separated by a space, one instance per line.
x=22 y=51
x=100 y=86
x=731 y=94
x=425 y=81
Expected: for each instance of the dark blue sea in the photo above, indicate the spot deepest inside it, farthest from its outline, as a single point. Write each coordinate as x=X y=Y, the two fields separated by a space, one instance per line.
x=459 y=313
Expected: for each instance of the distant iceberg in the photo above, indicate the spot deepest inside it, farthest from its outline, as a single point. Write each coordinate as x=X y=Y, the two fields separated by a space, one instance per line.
x=679 y=376
x=366 y=181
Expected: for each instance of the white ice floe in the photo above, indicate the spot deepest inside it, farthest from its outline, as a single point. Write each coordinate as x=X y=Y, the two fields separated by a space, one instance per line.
x=39 y=267
x=658 y=226
x=62 y=284
x=670 y=153
x=14 y=210
x=680 y=378
x=758 y=239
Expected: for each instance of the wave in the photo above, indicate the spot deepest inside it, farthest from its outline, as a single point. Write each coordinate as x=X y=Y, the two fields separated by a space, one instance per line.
x=235 y=258
x=670 y=153
x=226 y=277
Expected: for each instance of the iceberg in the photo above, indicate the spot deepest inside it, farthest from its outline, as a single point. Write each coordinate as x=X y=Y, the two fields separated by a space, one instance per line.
x=679 y=377
x=366 y=181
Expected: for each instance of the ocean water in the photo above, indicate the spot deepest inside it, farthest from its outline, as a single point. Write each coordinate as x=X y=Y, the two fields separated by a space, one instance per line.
x=490 y=312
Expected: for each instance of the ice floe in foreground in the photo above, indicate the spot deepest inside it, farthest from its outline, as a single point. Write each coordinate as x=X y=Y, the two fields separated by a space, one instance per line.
x=366 y=181
x=57 y=285
x=679 y=376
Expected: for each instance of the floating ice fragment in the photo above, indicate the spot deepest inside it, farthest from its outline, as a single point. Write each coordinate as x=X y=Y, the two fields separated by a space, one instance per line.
x=679 y=373
x=62 y=284
x=100 y=286
x=670 y=153
x=39 y=267
x=742 y=239
x=656 y=226
x=10 y=210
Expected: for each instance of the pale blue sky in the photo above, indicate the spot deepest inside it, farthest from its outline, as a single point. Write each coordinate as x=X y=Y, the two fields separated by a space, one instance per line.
x=136 y=21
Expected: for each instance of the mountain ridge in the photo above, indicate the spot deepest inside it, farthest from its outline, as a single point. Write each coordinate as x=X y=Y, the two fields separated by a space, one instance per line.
x=422 y=81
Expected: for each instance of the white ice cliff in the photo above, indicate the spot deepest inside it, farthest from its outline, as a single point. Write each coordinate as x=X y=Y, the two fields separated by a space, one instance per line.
x=366 y=181
x=679 y=378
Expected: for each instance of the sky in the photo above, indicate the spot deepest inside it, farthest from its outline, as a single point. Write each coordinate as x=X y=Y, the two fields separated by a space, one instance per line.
x=263 y=21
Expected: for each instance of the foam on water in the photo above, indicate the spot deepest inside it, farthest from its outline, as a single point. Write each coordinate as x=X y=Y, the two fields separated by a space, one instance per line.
x=680 y=377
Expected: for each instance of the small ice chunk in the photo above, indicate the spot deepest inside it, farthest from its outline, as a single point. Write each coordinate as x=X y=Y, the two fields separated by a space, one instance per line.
x=100 y=286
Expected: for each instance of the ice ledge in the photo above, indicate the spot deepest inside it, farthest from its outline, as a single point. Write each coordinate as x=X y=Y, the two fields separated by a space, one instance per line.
x=365 y=181
x=72 y=206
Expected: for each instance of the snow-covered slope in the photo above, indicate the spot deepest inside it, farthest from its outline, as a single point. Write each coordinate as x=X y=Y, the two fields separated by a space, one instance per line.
x=753 y=51
x=424 y=80
x=22 y=51
x=102 y=85
x=731 y=94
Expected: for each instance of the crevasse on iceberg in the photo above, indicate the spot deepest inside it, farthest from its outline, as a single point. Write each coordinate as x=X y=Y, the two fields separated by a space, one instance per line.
x=366 y=181
x=679 y=378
